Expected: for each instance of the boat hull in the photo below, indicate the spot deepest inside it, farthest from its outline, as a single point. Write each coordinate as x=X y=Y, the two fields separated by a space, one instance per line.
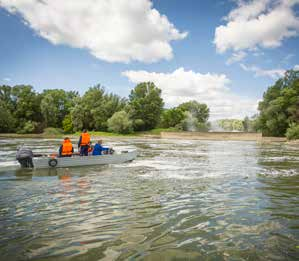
x=75 y=161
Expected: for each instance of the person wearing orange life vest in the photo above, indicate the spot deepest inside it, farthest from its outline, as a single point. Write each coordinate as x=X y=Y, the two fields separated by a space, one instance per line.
x=84 y=143
x=66 y=149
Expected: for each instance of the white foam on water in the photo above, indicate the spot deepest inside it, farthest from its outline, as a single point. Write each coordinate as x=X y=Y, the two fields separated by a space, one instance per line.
x=282 y=158
x=280 y=172
x=9 y=165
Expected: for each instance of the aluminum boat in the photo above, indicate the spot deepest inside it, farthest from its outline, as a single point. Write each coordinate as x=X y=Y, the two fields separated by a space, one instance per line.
x=29 y=160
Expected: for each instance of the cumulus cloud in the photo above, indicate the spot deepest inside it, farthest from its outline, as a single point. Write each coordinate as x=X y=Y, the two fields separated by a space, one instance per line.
x=114 y=31
x=258 y=23
x=273 y=73
x=296 y=67
x=213 y=89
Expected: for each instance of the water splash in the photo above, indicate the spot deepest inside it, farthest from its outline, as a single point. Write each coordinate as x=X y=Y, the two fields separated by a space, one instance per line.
x=214 y=127
x=190 y=122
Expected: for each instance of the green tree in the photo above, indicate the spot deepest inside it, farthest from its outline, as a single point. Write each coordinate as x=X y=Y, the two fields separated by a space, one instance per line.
x=250 y=124
x=172 y=117
x=26 y=104
x=198 y=110
x=7 y=120
x=280 y=105
x=232 y=124
x=6 y=97
x=146 y=104
x=111 y=103
x=28 y=127
x=55 y=105
x=196 y=116
x=94 y=108
x=120 y=123
x=67 y=124
x=293 y=131
x=191 y=123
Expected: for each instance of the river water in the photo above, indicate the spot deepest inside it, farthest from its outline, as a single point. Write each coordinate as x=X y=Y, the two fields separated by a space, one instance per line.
x=179 y=200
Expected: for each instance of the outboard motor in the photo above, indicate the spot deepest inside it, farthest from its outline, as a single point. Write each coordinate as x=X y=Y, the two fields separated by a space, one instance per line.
x=24 y=157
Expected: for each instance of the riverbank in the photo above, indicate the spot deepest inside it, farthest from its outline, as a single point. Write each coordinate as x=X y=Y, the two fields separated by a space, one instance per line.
x=95 y=134
x=223 y=136
x=161 y=133
x=239 y=136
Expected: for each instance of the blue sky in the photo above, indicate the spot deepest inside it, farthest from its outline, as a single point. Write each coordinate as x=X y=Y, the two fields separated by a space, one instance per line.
x=223 y=53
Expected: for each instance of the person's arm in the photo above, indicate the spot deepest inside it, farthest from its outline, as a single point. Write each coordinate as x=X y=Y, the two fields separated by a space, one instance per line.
x=60 y=151
x=103 y=148
x=79 y=143
x=72 y=149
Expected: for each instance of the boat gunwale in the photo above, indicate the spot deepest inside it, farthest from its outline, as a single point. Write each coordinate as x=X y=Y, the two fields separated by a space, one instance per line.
x=105 y=159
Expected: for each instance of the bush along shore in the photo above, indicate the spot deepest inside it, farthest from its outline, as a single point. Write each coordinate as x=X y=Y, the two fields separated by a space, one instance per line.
x=56 y=112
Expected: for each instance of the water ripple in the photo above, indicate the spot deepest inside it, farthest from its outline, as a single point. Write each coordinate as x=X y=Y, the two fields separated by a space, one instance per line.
x=196 y=200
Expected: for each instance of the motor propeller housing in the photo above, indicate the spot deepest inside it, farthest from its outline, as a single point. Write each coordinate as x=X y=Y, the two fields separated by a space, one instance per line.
x=24 y=157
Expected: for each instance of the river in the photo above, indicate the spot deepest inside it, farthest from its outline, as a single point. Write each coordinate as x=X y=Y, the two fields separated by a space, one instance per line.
x=179 y=200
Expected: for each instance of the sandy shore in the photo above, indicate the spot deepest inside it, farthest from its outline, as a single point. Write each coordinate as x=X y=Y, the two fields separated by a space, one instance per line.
x=240 y=136
x=222 y=136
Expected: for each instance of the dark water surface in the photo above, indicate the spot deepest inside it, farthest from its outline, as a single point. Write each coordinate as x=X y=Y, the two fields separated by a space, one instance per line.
x=179 y=200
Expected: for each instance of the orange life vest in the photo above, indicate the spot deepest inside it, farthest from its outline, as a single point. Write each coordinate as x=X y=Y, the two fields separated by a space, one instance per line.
x=67 y=148
x=85 y=139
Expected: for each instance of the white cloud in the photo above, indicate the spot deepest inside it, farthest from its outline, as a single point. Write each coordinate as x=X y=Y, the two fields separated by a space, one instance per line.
x=236 y=57
x=6 y=79
x=273 y=73
x=257 y=23
x=114 y=31
x=212 y=89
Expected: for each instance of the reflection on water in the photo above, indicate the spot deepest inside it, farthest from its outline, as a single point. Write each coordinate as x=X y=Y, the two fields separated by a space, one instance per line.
x=194 y=200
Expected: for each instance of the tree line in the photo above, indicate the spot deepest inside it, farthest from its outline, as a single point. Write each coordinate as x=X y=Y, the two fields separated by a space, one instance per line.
x=23 y=110
x=245 y=125
x=278 y=111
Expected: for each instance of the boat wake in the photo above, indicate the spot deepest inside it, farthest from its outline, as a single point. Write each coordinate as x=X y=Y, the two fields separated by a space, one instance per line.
x=9 y=165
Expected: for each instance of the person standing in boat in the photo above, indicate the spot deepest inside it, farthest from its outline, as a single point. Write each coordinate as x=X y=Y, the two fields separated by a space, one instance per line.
x=84 y=143
x=98 y=148
x=66 y=149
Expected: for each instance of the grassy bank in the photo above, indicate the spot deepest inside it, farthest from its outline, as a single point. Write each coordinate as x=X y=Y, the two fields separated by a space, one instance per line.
x=57 y=134
x=61 y=136
x=154 y=133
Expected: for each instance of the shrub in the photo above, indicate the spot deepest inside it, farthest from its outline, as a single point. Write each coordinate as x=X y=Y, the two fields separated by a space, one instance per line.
x=171 y=117
x=120 y=123
x=137 y=124
x=53 y=131
x=67 y=124
x=293 y=131
x=28 y=127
